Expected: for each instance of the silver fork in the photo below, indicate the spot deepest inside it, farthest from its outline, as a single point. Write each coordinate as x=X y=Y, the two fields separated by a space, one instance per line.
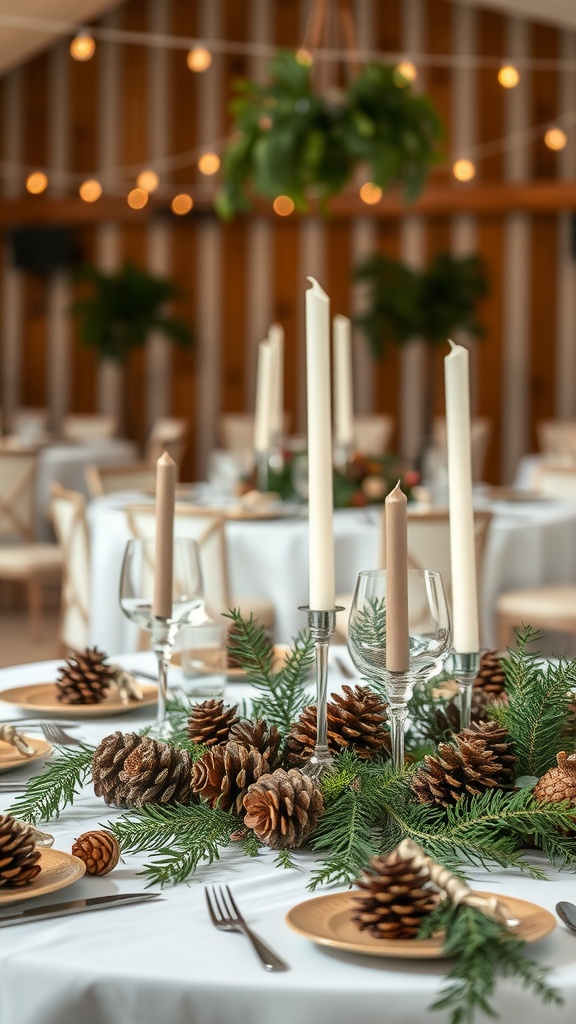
x=226 y=916
x=56 y=734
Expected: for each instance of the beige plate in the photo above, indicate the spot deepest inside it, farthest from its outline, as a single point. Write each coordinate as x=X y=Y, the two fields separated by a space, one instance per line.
x=10 y=757
x=58 y=870
x=42 y=697
x=327 y=920
x=253 y=513
x=515 y=494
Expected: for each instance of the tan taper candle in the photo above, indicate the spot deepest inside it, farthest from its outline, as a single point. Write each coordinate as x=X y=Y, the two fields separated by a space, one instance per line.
x=164 y=547
x=395 y=506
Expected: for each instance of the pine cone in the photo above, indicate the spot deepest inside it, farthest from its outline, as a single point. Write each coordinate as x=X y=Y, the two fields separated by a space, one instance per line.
x=490 y=676
x=558 y=783
x=283 y=808
x=258 y=735
x=396 y=900
x=355 y=721
x=85 y=678
x=107 y=764
x=479 y=758
x=18 y=853
x=157 y=773
x=99 y=850
x=210 y=722
x=447 y=719
x=222 y=776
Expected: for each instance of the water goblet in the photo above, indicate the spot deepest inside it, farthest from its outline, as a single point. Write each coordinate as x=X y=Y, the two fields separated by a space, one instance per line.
x=428 y=640
x=136 y=596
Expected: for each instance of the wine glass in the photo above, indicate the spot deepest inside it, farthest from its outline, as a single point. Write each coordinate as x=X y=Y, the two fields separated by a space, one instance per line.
x=136 y=597
x=428 y=640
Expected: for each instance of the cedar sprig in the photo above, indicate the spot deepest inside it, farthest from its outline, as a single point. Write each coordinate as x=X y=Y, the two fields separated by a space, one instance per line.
x=281 y=695
x=482 y=949
x=179 y=837
x=539 y=696
x=46 y=795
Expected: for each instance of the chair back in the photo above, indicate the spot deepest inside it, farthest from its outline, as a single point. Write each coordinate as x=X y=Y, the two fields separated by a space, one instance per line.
x=68 y=511
x=87 y=426
x=372 y=433
x=206 y=527
x=480 y=436
x=557 y=437
x=168 y=434
x=17 y=493
x=137 y=476
x=29 y=421
x=556 y=480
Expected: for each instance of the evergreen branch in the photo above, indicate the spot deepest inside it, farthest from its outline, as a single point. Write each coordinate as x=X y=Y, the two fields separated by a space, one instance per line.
x=284 y=859
x=180 y=837
x=482 y=949
x=48 y=794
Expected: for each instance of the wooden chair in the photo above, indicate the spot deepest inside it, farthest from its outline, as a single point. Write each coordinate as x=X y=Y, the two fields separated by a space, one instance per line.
x=88 y=426
x=22 y=559
x=557 y=437
x=557 y=480
x=68 y=511
x=548 y=607
x=168 y=434
x=372 y=433
x=136 y=476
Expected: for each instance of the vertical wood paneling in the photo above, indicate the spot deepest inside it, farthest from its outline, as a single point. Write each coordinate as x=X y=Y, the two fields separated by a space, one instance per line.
x=565 y=404
x=12 y=310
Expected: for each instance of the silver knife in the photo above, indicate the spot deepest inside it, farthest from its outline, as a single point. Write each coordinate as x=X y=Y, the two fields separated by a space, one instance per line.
x=119 y=899
x=567 y=913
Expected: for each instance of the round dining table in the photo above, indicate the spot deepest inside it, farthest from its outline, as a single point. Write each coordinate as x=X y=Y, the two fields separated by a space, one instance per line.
x=165 y=962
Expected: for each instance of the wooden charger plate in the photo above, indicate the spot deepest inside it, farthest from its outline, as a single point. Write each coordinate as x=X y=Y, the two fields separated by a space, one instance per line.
x=42 y=697
x=10 y=757
x=327 y=921
x=58 y=870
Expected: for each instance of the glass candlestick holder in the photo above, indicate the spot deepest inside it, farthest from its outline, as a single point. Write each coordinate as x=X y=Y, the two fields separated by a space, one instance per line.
x=262 y=471
x=342 y=455
x=465 y=667
x=321 y=624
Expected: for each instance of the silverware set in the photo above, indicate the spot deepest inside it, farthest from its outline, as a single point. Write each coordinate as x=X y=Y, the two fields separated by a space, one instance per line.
x=225 y=915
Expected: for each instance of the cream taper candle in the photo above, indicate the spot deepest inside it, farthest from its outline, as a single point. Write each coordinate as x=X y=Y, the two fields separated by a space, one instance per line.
x=320 y=501
x=462 y=544
x=343 y=398
x=397 y=639
x=163 y=550
x=264 y=390
x=276 y=342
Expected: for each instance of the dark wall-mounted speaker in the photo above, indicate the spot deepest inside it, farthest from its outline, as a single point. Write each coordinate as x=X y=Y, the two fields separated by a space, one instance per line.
x=44 y=249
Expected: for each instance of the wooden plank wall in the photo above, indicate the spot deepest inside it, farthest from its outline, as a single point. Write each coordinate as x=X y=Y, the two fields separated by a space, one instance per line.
x=235 y=279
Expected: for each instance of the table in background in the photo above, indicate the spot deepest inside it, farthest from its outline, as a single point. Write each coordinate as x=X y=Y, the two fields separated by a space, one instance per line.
x=165 y=962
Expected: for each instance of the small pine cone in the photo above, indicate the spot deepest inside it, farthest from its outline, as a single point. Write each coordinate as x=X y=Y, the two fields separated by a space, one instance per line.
x=447 y=719
x=558 y=783
x=210 y=722
x=98 y=849
x=108 y=762
x=222 y=776
x=490 y=676
x=258 y=735
x=157 y=773
x=480 y=758
x=283 y=808
x=355 y=721
x=18 y=853
x=395 y=900
x=85 y=678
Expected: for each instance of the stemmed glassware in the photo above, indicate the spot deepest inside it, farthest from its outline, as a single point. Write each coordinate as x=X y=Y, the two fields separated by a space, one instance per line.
x=136 y=595
x=429 y=640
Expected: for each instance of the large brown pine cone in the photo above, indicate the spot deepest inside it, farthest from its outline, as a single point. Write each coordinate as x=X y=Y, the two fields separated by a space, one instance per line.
x=479 y=758
x=108 y=762
x=98 y=849
x=210 y=722
x=395 y=899
x=85 y=678
x=257 y=734
x=355 y=721
x=18 y=853
x=283 y=808
x=558 y=783
x=490 y=676
x=222 y=776
x=157 y=773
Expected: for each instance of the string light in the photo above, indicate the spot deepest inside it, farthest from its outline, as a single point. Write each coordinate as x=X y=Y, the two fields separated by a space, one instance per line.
x=283 y=206
x=555 y=138
x=148 y=180
x=82 y=47
x=508 y=76
x=36 y=182
x=404 y=73
x=304 y=57
x=370 y=193
x=182 y=204
x=137 y=198
x=199 y=59
x=209 y=163
x=463 y=170
x=90 y=190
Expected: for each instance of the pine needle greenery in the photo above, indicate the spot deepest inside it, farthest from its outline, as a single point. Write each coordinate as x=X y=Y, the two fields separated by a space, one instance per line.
x=46 y=795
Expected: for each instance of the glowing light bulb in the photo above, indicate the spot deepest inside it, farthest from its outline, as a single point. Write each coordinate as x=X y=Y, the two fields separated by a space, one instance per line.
x=82 y=47
x=405 y=72
x=36 y=182
x=182 y=204
x=508 y=76
x=555 y=138
x=90 y=190
x=199 y=59
x=370 y=193
x=137 y=198
x=148 y=180
x=463 y=170
x=304 y=57
x=209 y=163
x=283 y=206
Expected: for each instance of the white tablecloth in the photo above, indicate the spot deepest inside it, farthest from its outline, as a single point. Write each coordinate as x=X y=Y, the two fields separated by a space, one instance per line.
x=165 y=964
x=528 y=544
